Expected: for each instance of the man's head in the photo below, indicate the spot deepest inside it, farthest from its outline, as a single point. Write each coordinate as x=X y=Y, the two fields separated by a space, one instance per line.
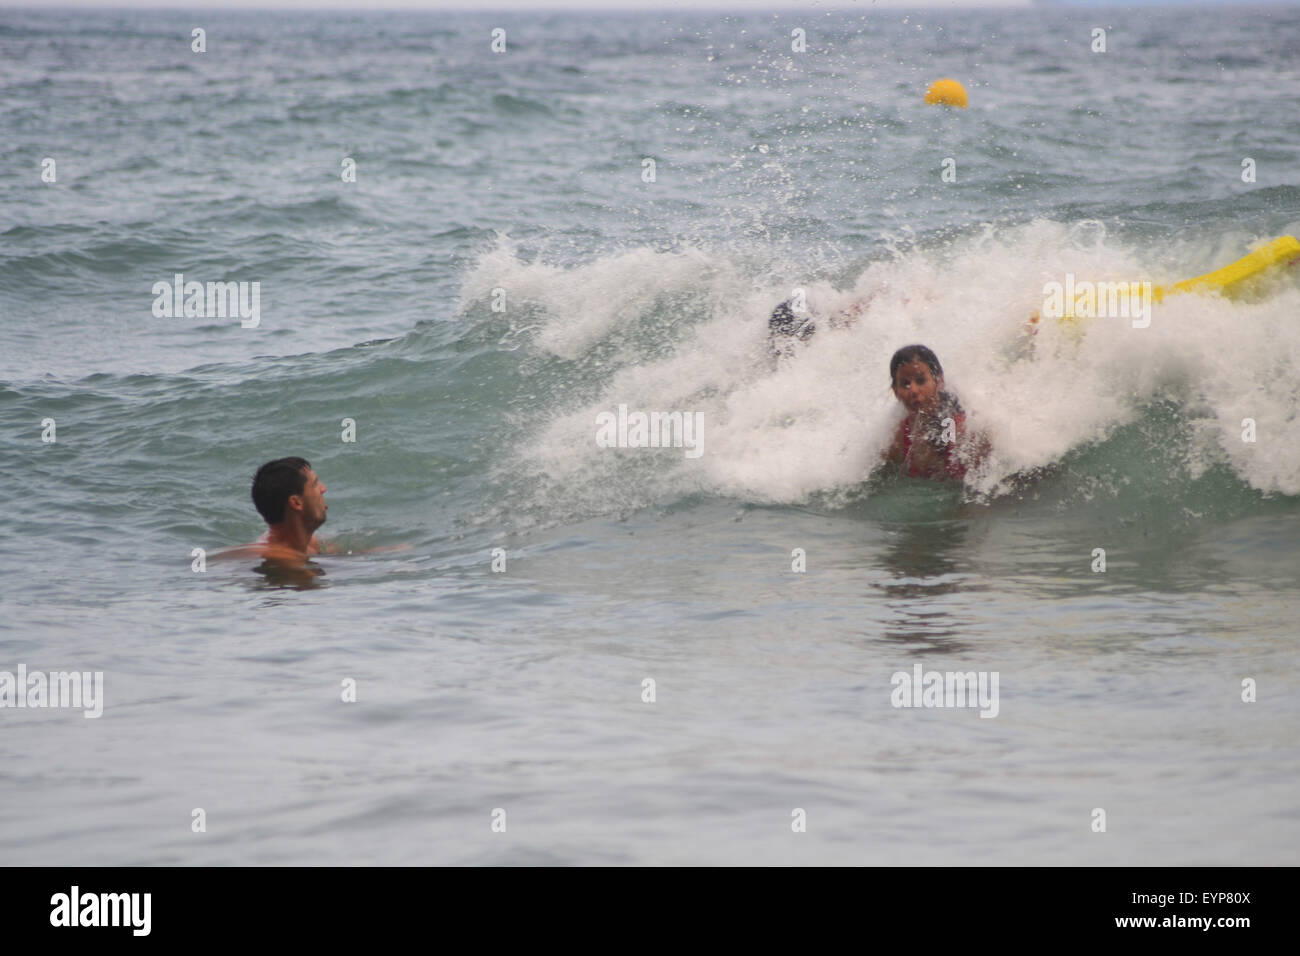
x=287 y=488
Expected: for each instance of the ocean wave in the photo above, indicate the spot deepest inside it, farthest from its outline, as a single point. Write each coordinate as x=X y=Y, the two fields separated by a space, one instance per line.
x=685 y=331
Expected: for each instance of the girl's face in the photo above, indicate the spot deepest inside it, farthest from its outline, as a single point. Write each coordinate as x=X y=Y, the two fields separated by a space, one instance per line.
x=916 y=387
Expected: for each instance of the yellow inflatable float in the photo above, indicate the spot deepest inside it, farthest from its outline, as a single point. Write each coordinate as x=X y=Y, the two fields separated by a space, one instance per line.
x=1233 y=280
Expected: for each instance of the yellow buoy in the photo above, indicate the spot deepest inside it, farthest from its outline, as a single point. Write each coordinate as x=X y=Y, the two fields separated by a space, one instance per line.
x=948 y=92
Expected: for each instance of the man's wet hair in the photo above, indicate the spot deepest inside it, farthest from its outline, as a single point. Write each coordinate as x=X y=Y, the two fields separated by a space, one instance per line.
x=275 y=482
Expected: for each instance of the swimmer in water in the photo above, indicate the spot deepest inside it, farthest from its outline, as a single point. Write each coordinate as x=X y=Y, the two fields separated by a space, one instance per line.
x=932 y=441
x=290 y=497
x=786 y=327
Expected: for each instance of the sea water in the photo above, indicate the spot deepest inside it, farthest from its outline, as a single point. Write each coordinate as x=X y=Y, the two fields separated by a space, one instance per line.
x=611 y=651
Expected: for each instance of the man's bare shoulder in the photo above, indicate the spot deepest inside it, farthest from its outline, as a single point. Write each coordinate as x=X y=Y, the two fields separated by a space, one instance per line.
x=253 y=550
x=261 y=548
x=281 y=553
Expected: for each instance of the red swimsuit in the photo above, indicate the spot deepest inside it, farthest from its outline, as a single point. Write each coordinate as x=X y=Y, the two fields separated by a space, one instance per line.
x=952 y=465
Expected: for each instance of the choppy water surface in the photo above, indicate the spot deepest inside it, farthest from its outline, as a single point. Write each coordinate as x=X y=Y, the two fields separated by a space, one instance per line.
x=524 y=689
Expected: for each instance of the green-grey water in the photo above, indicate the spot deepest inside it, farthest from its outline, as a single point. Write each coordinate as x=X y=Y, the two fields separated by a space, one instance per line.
x=501 y=272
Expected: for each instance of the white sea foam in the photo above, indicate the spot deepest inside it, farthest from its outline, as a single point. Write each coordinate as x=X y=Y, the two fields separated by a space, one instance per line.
x=819 y=420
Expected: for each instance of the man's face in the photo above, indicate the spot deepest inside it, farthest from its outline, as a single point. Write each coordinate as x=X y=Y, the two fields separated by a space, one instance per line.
x=313 y=501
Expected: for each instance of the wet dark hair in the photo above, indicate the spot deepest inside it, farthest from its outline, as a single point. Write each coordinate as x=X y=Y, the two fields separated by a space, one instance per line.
x=949 y=406
x=275 y=482
x=914 y=353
